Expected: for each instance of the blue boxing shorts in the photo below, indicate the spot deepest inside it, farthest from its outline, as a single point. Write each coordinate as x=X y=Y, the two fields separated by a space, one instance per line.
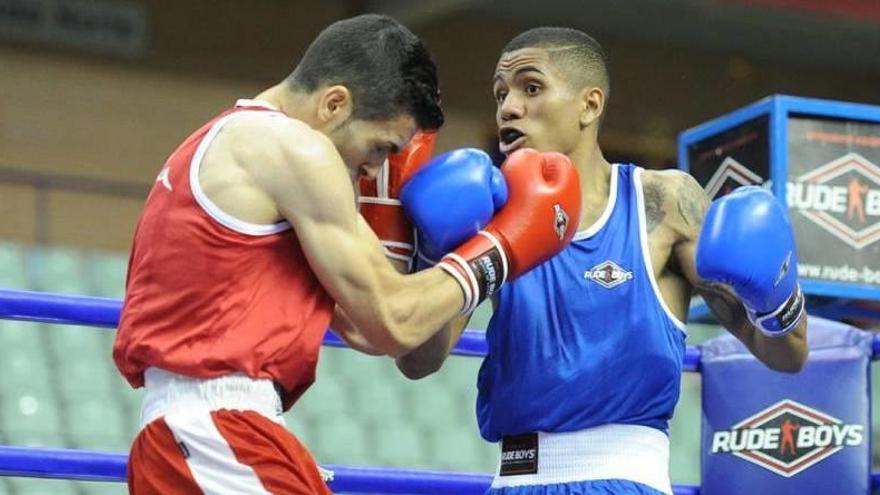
x=595 y=487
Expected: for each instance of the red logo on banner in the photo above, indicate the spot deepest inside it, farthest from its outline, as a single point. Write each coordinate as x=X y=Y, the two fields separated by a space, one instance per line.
x=842 y=197
x=787 y=438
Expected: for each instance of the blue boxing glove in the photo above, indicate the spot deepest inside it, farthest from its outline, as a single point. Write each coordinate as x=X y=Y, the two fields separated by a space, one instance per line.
x=450 y=199
x=747 y=242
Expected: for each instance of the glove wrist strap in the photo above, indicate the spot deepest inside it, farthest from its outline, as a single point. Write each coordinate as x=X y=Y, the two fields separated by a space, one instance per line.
x=480 y=268
x=782 y=320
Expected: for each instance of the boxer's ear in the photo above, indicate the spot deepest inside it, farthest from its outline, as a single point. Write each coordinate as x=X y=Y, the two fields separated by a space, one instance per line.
x=335 y=104
x=592 y=104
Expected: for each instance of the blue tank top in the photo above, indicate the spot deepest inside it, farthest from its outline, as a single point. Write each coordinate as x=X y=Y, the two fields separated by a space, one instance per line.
x=585 y=338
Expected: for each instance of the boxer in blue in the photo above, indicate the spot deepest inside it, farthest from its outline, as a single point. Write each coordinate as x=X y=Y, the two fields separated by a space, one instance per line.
x=585 y=351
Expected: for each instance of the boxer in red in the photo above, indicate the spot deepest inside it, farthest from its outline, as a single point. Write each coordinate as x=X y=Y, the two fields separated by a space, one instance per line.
x=250 y=245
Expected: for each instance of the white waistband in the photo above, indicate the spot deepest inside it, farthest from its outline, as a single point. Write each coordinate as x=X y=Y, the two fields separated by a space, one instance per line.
x=167 y=392
x=628 y=452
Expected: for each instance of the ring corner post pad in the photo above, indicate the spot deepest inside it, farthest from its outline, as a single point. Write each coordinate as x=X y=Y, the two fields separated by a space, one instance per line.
x=774 y=432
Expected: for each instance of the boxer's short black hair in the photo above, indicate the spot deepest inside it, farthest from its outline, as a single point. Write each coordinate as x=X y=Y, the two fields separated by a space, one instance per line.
x=386 y=67
x=577 y=54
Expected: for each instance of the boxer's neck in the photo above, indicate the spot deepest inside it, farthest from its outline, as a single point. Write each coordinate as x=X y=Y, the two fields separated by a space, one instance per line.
x=594 y=173
x=294 y=105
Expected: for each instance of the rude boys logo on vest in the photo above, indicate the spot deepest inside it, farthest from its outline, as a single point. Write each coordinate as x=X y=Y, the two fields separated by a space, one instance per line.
x=842 y=197
x=787 y=438
x=608 y=274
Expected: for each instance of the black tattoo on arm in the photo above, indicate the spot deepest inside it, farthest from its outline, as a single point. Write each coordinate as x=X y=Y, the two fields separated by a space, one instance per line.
x=692 y=202
x=655 y=195
x=725 y=305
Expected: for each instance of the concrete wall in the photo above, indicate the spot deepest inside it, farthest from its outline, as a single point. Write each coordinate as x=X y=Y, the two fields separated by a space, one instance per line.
x=69 y=113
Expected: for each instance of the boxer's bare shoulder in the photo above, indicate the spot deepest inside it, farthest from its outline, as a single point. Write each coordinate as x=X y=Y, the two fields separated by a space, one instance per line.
x=675 y=205
x=674 y=199
x=262 y=138
x=261 y=148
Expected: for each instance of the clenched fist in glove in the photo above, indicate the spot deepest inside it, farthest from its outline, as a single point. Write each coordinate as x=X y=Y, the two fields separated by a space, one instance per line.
x=538 y=220
x=748 y=243
x=450 y=199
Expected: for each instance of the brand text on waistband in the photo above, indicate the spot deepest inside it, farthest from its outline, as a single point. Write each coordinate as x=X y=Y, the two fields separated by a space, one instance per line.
x=519 y=455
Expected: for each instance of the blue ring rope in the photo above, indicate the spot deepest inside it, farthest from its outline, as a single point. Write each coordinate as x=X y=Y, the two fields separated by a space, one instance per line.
x=64 y=309
x=85 y=465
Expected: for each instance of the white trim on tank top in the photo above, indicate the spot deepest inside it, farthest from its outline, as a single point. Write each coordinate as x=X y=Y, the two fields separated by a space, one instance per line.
x=646 y=254
x=606 y=214
x=202 y=199
x=247 y=102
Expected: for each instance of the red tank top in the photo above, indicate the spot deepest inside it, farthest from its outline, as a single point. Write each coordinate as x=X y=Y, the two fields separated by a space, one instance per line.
x=209 y=295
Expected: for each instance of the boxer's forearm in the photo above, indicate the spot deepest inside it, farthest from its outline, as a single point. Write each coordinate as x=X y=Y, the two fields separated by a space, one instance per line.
x=429 y=357
x=342 y=326
x=346 y=330
x=786 y=353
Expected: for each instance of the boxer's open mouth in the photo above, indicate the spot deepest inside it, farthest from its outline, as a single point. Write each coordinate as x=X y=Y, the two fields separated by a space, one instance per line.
x=510 y=139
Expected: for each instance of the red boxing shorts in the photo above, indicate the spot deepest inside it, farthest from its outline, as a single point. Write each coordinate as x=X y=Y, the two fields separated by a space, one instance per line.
x=194 y=449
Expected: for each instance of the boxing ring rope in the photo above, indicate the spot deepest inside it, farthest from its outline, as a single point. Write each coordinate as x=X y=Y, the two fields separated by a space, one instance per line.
x=63 y=309
x=108 y=466
x=84 y=465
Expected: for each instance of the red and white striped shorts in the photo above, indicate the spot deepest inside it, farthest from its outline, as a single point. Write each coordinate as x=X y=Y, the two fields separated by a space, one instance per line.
x=191 y=450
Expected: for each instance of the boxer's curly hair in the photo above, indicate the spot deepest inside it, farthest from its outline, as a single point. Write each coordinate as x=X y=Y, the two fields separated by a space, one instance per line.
x=581 y=58
x=386 y=67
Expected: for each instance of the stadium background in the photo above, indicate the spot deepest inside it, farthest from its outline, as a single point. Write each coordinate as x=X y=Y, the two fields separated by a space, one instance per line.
x=95 y=94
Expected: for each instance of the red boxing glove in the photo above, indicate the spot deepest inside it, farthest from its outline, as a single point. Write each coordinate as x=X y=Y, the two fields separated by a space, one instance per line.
x=538 y=221
x=379 y=201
